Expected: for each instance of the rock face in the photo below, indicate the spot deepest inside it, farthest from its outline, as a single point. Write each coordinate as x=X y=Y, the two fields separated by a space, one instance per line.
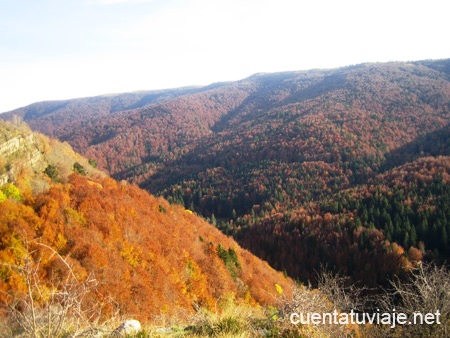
x=16 y=152
x=25 y=153
x=130 y=326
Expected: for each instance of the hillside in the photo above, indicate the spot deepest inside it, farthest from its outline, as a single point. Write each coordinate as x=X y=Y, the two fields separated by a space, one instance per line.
x=62 y=220
x=31 y=158
x=370 y=231
x=277 y=154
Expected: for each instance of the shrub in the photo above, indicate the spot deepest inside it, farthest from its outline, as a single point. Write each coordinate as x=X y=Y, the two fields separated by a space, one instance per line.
x=11 y=191
x=64 y=307
x=2 y=196
x=79 y=169
x=230 y=259
x=52 y=171
x=426 y=290
x=93 y=162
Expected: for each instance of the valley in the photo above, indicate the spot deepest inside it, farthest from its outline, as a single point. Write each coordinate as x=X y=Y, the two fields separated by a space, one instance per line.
x=345 y=169
x=250 y=154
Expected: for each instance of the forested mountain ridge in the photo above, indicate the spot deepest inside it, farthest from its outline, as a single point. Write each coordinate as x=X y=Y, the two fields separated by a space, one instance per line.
x=278 y=151
x=63 y=220
x=346 y=105
x=164 y=124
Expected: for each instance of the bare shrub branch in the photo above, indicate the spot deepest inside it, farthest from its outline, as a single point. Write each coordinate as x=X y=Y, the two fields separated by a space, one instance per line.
x=426 y=290
x=56 y=306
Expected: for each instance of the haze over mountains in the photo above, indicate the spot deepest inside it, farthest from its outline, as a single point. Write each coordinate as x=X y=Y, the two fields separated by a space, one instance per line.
x=296 y=165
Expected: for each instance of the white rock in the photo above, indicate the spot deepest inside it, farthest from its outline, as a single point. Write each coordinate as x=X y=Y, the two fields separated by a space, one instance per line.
x=128 y=327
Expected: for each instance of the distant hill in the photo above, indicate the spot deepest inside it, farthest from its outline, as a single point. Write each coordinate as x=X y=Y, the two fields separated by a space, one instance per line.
x=261 y=151
x=133 y=135
x=147 y=257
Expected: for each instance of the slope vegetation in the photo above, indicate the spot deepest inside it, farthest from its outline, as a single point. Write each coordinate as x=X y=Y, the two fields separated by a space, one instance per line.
x=147 y=257
x=285 y=151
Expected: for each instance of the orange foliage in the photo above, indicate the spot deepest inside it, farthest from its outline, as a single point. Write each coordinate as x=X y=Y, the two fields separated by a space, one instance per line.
x=149 y=256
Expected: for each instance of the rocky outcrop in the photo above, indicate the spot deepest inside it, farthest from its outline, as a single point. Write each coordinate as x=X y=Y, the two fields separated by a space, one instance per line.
x=24 y=153
x=16 y=152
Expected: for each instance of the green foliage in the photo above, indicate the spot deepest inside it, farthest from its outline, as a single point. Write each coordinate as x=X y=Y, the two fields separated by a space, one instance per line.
x=423 y=219
x=223 y=326
x=79 y=169
x=2 y=196
x=53 y=172
x=230 y=259
x=11 y=191
x=93 y=162
x=74 y=217
x=229 y=320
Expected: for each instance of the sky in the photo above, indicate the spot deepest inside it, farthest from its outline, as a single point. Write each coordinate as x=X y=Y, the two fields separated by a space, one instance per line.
x=62 y=49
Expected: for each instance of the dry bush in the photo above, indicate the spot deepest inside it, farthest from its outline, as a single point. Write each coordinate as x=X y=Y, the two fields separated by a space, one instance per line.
x=338 y=290
x=310 y=301
x=64 y=306
x=426 y=290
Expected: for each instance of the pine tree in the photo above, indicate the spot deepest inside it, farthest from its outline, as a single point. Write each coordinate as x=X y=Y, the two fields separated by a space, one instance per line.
x=413 y=236
x=444 y=236
x=423 y=228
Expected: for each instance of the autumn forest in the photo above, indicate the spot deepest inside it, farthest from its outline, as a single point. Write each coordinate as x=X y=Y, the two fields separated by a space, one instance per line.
x=181 y=196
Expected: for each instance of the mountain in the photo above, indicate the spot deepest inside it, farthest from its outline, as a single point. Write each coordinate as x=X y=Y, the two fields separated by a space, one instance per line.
x=68 y=228
x=279 y=156
x=370 y=231
x=358 y=112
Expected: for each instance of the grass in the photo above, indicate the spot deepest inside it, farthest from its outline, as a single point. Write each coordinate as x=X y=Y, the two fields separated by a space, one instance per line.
x=229 y=319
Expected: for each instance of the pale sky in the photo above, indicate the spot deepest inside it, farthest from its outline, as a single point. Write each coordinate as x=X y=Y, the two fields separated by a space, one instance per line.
x=61 y=49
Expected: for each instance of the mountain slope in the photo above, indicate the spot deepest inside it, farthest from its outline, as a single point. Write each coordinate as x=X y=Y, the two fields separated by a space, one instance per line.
x=255 y=153
x=361 y=111
x=149 y=257
x=370 y=231
x=312 y=147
